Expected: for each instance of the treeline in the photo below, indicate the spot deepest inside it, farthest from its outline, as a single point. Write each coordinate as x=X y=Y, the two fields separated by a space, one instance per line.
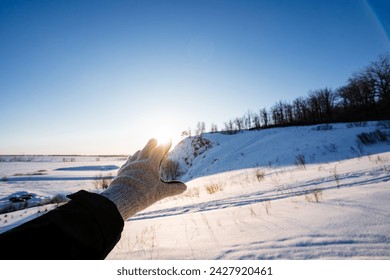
x=366 y=96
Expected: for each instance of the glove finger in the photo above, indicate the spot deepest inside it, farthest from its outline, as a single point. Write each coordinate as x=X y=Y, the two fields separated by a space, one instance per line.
x=160 y=152
x=134 y=157
x=129 y=160
x=171 y=188
x=147 y=150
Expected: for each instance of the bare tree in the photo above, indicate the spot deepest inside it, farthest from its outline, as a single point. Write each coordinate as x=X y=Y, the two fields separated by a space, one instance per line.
x=358 y=97
x=186 y=133
x=200 y=128
x=379 y=73
x=214 y=128
x=264 y=117
x=277 y=112
x=239 y=123
x=288 y=112
x=321 y=105
x=256 y=121
x=248 y=119
x=229 y=126
x=300 y=110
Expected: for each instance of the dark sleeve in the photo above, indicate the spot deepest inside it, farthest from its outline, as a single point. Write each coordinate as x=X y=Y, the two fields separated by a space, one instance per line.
x=87 y=227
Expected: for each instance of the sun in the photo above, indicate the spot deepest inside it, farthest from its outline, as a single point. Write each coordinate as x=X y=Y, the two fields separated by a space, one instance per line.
x=164 y=134
x=164 y=129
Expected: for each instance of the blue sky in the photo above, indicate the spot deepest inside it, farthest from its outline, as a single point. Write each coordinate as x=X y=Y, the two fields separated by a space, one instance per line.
x=102 y=77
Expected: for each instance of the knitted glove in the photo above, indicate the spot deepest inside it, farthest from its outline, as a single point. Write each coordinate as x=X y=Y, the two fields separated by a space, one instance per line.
x=138 y=183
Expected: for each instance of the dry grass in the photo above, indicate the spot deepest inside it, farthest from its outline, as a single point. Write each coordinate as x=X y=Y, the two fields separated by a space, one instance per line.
x=336 y=176
x=36 y=173
x=300 y=161
x=314 y=196
x=193 y=192
x=267 y=206
x=252 y=210
x=102 y=182
x=146 y=241
x=213 y=188
x=259 y=174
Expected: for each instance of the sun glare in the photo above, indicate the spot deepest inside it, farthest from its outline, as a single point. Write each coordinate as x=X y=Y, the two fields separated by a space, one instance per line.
x=164 y=135
x=164 y=129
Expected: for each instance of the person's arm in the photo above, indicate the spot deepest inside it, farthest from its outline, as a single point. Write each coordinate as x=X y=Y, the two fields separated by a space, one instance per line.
x=89 y=226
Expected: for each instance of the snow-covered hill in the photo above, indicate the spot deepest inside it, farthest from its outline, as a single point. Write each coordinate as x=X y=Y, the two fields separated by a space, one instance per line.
x=312 y=192
x=214 y=153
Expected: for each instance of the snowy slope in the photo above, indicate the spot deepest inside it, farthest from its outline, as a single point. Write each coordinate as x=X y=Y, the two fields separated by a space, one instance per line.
x=274 y=147
x=246 y=198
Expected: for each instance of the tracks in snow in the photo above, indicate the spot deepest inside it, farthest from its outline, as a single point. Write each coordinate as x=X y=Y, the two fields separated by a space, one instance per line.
x=356 y=179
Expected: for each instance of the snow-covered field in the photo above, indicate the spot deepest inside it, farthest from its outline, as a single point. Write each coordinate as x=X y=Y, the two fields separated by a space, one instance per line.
x=307 y=192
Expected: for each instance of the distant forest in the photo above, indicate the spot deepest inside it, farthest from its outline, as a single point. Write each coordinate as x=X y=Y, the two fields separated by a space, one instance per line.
x=365 y=97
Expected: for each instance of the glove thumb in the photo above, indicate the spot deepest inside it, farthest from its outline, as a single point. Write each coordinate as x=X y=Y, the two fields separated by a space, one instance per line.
x=171 y=188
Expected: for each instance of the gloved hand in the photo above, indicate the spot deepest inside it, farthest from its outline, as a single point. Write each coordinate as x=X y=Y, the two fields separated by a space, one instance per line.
x=138 y=183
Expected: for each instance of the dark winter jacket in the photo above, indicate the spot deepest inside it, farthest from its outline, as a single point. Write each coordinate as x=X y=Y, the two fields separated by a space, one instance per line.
x=87 y=227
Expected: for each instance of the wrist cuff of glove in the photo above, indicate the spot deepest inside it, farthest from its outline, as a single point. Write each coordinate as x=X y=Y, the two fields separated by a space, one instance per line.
x=123 y=191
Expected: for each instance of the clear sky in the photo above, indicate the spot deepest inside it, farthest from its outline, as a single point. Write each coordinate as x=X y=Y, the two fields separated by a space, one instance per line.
x=102 y=77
